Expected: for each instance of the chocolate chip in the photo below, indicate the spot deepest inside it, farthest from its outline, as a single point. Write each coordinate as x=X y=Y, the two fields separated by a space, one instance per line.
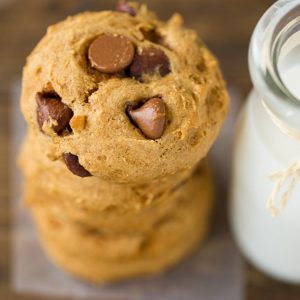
x=72 y=162
x=50 y=109
x=111 y=53
x=123 y=6
x=150 y=61
x=149 y=118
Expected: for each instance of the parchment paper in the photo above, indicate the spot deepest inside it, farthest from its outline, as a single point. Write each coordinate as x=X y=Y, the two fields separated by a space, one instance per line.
x=214 y=272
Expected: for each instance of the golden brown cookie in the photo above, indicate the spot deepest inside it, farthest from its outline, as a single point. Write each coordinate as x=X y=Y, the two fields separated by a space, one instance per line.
x=122 y=109
x=93 y=255
x=114 y=219
x=88 y=90
x=90 y=194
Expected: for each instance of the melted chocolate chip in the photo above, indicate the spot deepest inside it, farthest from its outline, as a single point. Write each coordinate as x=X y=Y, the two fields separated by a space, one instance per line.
x=51 y=108
x=149 y=118
x=72 y=162
x=111 y=53
x=150 y=61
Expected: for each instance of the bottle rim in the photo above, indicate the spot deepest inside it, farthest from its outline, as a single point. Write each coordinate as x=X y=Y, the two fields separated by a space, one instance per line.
x=274 y=28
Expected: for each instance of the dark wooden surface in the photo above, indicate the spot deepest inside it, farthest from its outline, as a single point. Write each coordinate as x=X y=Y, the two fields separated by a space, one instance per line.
x=225 y=25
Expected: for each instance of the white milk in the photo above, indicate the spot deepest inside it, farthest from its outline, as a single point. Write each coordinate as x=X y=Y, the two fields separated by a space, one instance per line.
x=261 y=148
x=289 y=64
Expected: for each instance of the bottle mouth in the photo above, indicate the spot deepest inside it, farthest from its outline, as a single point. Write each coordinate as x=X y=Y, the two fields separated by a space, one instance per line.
x=274 y=60
x=286 y=52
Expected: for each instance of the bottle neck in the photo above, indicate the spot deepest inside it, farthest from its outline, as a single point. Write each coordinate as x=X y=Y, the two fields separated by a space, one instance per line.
x=274 y=62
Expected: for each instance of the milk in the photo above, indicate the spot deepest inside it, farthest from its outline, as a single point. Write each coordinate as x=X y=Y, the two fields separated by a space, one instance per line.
x=289 y=65
x=272 y=244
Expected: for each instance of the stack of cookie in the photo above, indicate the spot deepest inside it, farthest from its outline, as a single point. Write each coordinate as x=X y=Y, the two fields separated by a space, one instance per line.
x=122 y=109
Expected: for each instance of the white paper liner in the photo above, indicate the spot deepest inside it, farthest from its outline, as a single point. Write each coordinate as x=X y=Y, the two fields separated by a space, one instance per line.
x=214 y=272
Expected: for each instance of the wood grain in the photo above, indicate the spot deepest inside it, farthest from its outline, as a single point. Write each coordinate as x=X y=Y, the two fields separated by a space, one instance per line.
x=225 y=25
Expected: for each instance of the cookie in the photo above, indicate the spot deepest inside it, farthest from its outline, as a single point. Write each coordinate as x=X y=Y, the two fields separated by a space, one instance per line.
x=122 y=109
x=114 y=219
x=93 y=255
x=90 y=194
x=123 y=96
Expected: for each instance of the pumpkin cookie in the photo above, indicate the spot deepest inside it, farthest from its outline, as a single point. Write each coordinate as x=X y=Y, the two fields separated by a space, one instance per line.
x=122 y=109
x=123 y=96
x=92 y=254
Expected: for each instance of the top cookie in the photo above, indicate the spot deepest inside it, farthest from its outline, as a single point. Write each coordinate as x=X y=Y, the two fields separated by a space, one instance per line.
x=123 y=96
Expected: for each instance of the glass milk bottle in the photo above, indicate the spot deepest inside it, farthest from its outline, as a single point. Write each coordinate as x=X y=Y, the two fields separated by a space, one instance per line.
x=265 y=193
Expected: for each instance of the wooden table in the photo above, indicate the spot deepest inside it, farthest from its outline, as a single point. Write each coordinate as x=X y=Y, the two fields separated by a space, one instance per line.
x=225 y=25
